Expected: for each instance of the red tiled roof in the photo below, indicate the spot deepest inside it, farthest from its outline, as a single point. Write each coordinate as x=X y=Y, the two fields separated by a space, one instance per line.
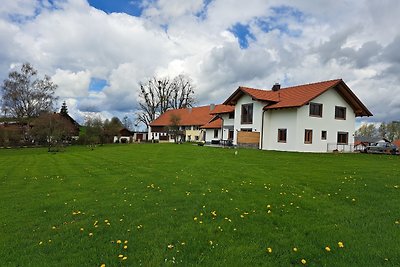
x=188 y=116
x=297 y=96
x=396 y=143
x=220 y=109
x=214 y=124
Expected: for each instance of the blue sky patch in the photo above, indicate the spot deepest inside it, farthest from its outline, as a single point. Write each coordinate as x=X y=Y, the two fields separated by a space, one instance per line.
x=202 y=14
x=243 y=33
x=277 y=20
x=131 y=7
x=97 y=84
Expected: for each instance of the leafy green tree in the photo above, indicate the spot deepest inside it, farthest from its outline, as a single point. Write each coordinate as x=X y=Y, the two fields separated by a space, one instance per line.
x=64 y=109
x=93 y=133
x=367 y=130
x=173 y=128
x=393 y=130
x=382 y=130
x=111 y=129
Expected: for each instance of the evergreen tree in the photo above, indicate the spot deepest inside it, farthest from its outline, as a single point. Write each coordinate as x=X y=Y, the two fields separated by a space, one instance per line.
x=64 y=109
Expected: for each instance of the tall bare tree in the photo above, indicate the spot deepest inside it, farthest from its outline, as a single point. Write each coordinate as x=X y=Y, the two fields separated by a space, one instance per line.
x=160 y=94
x=182 y=92
x=24 y=95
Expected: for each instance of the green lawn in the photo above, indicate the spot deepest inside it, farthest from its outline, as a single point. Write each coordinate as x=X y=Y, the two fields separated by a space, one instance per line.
x=190 y=205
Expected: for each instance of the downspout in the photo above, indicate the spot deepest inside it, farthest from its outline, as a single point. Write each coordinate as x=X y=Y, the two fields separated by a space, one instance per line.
x=262 y=130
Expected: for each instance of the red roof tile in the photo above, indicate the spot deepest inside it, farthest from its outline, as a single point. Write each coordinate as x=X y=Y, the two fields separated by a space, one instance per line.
x=220 y=109
x=297 y=96
x=188 y=116
x=214 y=124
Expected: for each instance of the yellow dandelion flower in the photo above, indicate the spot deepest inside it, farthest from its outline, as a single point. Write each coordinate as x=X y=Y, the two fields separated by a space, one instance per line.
x=106 y=221
x=269 y=250
x=124 y=258
x=41 y=242
x=200 y=222
x=340 y=244
x=126 y=242
x=119 y=241
x=125 y=247
x=53 y=227
x=90 y=234
x=81 y=229
x=303 y=261
x=295 y=249
x=120 y=256
x=195 y=219
x=327 y=248
x=103 y=265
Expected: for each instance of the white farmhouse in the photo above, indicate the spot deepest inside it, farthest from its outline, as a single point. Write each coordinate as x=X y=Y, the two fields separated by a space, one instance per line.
x=316 y=117
x=185 y=124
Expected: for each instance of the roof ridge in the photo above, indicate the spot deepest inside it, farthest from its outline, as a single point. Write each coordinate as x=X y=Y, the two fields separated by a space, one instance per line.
x=314 y=83
x=306 y=84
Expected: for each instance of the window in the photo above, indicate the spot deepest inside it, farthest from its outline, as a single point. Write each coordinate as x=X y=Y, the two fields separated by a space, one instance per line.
x=247 y=114
x=342 y=138
x=215 y=133
x=323 y=135
x=230 y=134
x=232 y=115
x=246 y=130
x=315 y=110
x=340 y=113
x=308 y=136
x=282 y=135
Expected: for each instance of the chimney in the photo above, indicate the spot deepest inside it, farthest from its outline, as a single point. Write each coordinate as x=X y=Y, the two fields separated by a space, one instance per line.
x=212 y=107
x=276 y=87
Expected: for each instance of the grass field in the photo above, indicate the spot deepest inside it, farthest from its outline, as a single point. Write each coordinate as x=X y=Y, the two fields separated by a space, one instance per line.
x=167 y=204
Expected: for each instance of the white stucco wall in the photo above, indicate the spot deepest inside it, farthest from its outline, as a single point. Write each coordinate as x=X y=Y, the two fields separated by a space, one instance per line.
x=297 y=120
x=227 y=124
x=257 y=115
x=210 y=135
x=280 y=119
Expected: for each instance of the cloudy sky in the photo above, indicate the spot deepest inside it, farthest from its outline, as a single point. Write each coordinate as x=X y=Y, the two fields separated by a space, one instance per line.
x=97 y=51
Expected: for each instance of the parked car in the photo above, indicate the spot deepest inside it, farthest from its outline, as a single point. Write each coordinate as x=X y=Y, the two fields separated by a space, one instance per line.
x=382 y=148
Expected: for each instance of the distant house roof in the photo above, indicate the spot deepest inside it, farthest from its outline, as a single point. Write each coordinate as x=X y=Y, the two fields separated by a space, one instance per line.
x=216 y=123
x=221 y=109
x=196 y=116
x=297 y=96
x=68 y=117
